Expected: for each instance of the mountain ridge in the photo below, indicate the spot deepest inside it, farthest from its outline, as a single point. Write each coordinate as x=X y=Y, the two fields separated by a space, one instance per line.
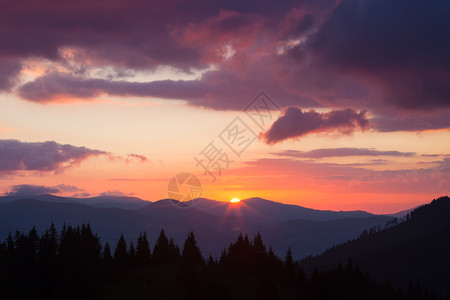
x=415 y=249
x=211 y=229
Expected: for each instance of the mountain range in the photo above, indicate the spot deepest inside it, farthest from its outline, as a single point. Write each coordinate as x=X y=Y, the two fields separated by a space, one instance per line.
x=306 y=231
x=408 y=253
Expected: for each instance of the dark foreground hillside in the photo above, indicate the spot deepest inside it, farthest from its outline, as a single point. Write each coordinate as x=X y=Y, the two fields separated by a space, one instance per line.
x=72 y=264
x=414 y=251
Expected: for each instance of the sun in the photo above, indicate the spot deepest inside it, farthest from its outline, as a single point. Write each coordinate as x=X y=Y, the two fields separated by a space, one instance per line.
x=235 y=200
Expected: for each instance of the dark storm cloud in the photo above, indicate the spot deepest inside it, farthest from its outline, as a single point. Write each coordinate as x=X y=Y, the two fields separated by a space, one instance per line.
x=375 y=55
x=136 y=34
x=401 y=45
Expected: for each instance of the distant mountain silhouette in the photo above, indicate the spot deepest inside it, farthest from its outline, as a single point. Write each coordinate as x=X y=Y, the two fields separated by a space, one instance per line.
x=402 y=213
x=215 y=223
x=265 y=212
x=417 y=249
x=21 y=214
x=100 y=201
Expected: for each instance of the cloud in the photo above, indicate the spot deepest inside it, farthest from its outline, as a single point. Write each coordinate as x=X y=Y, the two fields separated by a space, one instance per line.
x=295 y=123
x=215 y=89
x=41 y=156
x=387 y=57
x=81 y=195
x=411 y=122
x=28 y=189
x=288 y=173
x=140 y=158
x=399 y=48
x=115 y=193
x=128 y=158
x=9 y=71
x=339 y=152
x=140 y=179
x=66 y=188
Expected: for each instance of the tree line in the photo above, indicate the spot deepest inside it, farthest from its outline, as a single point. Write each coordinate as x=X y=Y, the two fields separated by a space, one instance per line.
x=73 y=264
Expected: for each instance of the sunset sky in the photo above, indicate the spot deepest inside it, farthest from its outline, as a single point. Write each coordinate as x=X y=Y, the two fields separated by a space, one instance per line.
x=116 y=97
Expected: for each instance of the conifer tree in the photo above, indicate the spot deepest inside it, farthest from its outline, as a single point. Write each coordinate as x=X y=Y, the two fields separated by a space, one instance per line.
x=161 y=250
x=121 y=256
x=132 y=253
x=107 y=257
x=191 y=254
x=143 y=253
x=174 y=251
x=289 y=267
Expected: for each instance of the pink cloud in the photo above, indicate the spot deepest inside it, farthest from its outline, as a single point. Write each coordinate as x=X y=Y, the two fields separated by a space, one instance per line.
x=341 y=152
x=140 y=158
x=115 y=193
x=294 y=174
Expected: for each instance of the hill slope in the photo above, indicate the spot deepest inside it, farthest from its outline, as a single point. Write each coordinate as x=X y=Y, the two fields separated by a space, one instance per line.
x=415 y=250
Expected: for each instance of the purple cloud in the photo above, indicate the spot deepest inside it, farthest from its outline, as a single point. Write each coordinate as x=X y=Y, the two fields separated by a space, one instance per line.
x=411 y=122
x=9 y=70
x=387 y=57
x=29 y=189
x=295 y=123
x=114 y=193
x=400 y=47
x=340 y=152
x=42 y=156
x=215 y=89
x=67 y=188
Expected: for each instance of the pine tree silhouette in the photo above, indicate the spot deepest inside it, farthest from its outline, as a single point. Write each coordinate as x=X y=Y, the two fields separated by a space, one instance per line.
x=107 y=257
x=191 y=254
x=121 y=256
x=132 y=254
x=161 y=250
x=143 y=253
x=289 y=267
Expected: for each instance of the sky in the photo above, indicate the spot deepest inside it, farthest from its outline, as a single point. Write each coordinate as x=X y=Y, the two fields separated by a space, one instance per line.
x=340 y=105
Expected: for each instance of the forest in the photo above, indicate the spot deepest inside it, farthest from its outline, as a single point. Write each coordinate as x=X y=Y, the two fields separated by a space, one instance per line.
x=74 y=264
